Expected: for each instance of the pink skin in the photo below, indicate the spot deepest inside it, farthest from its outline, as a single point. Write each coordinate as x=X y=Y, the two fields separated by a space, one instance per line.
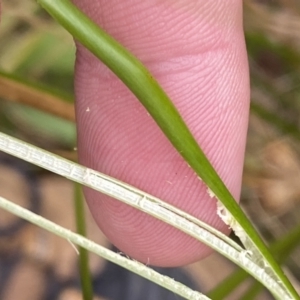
x=196 y=51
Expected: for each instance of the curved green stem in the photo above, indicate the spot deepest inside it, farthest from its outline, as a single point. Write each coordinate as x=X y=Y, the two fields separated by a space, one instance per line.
x=137 y=78
x=280 y=249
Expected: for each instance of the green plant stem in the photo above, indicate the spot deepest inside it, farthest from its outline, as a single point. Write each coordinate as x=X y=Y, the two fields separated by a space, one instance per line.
x=131 y=265
x=85 y=275
x=281 y=249
x=144 y=202
x=136 y=77
x=228 y=285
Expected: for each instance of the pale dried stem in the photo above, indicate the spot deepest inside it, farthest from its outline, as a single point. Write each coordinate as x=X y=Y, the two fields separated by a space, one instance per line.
x=18 y=92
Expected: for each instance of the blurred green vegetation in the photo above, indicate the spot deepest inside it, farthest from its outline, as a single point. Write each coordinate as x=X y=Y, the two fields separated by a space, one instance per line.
x=35 y=49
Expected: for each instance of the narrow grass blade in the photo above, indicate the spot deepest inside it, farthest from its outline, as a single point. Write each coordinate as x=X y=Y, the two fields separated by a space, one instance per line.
x=144 y=86
x=144 y=202
x=85 y=275
x=280 y=249
x=116 y=258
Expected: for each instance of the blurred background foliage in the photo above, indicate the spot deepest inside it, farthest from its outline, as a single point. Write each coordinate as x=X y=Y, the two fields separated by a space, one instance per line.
x=37 y=58
x=35 y=50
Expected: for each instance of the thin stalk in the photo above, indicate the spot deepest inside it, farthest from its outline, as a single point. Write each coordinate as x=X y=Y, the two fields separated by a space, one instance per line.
x=85 y=275
x=146 y=203
x=137 y=78
x=15 y=90
x=116 y=258
x=280 y=249
x=227 y=286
